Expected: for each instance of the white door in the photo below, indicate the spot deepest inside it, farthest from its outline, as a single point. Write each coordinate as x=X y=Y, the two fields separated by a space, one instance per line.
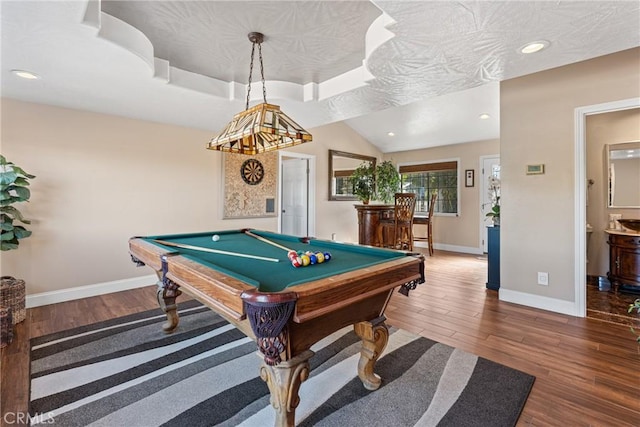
x=295 y=196
x=490 y=167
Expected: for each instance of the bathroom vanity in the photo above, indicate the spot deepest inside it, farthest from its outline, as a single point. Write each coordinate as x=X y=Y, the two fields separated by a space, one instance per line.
x=624 y=260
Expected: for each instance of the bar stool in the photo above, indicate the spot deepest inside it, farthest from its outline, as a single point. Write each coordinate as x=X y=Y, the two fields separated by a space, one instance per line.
x=428 y=221
x=402 y=223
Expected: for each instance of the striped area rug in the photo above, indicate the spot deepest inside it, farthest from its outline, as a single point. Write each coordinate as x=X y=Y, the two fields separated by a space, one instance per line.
x=127 y=372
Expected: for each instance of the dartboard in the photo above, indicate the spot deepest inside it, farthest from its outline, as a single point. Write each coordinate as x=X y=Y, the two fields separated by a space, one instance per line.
x=252 y=171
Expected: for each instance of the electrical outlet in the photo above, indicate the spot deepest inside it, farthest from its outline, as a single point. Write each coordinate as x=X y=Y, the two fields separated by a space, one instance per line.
x=543 y=278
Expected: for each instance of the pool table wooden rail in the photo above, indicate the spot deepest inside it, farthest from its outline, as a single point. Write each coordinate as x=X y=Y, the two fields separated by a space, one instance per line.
x=318 y=297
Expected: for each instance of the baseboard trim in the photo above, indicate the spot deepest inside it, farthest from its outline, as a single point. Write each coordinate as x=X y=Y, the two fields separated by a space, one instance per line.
x=450 y=248
x=70 y=294
x=538 y=301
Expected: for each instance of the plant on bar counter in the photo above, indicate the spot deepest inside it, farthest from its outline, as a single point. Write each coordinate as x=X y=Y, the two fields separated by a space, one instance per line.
x=13 y=189
x=364 y=182
x=387 y=181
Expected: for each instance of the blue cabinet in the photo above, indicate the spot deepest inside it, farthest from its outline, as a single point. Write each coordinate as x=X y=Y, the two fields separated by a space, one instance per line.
x=493 y=255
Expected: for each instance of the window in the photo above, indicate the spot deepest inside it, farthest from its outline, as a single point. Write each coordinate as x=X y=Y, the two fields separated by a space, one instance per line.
x=344 y=184
x=423 y=179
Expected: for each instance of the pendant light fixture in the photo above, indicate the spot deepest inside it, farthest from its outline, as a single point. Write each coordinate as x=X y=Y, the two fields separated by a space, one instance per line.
x=262 y=127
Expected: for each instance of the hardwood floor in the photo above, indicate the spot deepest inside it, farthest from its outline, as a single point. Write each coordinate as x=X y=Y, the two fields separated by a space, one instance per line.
x=604 y=304
x=587 y=370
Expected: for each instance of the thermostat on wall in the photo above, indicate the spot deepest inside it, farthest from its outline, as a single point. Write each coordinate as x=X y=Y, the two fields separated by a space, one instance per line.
x=535 y=169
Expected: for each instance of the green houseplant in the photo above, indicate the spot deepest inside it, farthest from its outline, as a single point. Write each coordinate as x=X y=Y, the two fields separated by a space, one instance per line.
x=635 y=306
x=494 y=194
x=387 y=182
x=14 y=182
x=364 y=181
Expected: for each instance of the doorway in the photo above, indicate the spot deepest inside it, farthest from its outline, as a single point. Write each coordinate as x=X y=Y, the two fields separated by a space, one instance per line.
x=297 y=194
x=489 y=167
x=580 y=192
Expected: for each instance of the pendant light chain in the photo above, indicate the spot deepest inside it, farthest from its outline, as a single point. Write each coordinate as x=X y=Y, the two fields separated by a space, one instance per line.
x=253 y=49
x=264 y=87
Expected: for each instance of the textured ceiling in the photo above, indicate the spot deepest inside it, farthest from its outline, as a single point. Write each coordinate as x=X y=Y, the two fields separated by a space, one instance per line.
x=422 y=69
x=306 y=41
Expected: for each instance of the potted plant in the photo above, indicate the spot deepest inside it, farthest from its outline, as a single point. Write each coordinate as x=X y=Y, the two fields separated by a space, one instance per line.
x=387 y=182
x=635 y=306
x=13 y=189
x=494 y=194
x=364 y=181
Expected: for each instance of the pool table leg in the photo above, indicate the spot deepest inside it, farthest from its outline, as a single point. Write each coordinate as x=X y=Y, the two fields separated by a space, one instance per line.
x=167 y=301
x=284 y=380
x=374 y=335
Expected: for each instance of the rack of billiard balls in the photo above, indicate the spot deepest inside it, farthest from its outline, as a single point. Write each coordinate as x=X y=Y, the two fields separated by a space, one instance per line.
x=303 y=259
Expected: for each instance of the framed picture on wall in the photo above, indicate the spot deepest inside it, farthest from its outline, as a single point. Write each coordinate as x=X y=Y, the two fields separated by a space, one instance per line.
x=469 y=177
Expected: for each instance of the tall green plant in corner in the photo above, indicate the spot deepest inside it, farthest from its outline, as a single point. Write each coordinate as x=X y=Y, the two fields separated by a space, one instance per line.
x=13 y=189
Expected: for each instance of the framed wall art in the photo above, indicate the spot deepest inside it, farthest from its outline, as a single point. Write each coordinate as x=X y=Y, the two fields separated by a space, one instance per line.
x=469 y=177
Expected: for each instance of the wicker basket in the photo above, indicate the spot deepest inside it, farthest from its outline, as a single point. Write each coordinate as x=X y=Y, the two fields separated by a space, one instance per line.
x=6 y=326
x=12 y=295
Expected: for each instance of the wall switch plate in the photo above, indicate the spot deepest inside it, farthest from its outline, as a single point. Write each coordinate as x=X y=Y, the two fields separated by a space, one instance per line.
x=543 y=278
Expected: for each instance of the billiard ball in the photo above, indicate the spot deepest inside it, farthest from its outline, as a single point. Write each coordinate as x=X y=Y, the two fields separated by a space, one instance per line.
x=320 y=257
x=327 y=256
x=296 y=261
x=215 y=238
x=291 y=255
x=313 y=259
x=305 y=260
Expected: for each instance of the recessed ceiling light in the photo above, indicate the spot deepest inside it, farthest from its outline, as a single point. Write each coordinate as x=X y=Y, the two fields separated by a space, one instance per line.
x=391 y=134
x=484 y=116
x=534 y=47
x=26 y=74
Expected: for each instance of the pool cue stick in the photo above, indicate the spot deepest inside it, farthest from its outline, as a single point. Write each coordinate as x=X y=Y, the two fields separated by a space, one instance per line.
x=215 y=251
x=262 y=239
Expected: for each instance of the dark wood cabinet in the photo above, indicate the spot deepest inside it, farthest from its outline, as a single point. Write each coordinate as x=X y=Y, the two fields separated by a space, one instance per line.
x=493 y=258
x=368 y=219
x=624 y=261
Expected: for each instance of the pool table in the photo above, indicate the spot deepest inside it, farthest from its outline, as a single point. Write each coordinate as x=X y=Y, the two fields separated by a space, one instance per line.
x=283 y=308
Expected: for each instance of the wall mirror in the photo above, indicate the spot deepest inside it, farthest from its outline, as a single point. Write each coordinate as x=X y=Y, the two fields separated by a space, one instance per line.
x=623 y=165
x=341 y=166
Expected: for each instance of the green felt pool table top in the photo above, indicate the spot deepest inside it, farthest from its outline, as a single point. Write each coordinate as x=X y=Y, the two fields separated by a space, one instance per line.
x=270 y=276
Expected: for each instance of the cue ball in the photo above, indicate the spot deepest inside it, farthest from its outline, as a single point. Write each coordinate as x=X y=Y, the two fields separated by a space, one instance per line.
x=215 y=238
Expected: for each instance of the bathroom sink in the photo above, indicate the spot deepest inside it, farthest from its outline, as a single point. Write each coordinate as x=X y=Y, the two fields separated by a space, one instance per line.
x=631 y=224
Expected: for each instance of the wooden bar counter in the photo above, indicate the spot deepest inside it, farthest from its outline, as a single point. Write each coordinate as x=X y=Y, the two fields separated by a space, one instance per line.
x=368 y=219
